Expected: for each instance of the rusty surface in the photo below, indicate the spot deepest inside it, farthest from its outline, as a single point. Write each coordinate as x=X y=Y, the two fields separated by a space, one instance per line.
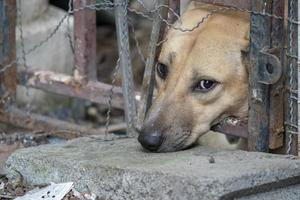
x=276 y=127
x=66 y=85
x=242 y=4
x=158 y=30
x=233 y=127
x=258 y=124
x=273 y=68
x=85 y=41
x=50 y=125
x=8 y=81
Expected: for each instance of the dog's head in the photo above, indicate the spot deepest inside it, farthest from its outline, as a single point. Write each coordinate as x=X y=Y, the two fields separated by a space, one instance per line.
x=201 y=77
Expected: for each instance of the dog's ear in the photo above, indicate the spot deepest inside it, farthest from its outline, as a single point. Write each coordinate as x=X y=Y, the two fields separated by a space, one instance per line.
x=245 y=49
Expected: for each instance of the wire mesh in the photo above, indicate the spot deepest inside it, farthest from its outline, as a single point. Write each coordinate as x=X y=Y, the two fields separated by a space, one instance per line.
x=155 y=15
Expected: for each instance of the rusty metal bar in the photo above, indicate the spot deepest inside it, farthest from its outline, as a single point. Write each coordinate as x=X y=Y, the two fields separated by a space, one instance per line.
x=125 y=64
x=62 y=84
x=85 y=41
x=232 y=127
x=8 y=81
x=49 y=125
x=276 y=126
x=158 y=30
x=258 y=124
x=291 y=84
x=242 y=4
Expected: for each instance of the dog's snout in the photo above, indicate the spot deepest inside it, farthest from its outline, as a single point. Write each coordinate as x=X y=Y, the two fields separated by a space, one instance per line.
x=150 y=140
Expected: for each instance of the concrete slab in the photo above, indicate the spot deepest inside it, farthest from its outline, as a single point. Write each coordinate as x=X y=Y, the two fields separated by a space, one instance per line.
x=121 y=170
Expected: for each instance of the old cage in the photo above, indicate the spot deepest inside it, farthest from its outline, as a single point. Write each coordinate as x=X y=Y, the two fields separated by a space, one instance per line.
x=273 y=78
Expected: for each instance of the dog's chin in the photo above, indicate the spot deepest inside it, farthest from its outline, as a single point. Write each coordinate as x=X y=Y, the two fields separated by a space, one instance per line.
x=169 y=149
x=166 y=149
x=178 y=146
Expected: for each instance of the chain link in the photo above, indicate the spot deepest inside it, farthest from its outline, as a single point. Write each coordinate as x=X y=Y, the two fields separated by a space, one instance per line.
x=23 y=52
x=108 y=5
x=179 y=28
x=41 y=43
x=110 y=97
x=291 y=88
x=55 y=30
x=69 y=31
x=157 y=8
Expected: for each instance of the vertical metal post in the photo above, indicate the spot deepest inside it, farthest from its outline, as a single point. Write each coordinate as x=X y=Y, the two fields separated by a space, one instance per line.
x=85 y=41
x=8 y=81
x=276 y=126
x=260 y=32
x=291 y=95
x=158 y=30
x=125 y=64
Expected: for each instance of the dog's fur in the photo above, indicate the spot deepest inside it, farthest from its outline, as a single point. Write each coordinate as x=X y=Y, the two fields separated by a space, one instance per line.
x=214 y=51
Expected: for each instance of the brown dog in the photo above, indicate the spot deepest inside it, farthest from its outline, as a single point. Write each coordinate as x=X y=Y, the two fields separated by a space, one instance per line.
x=201 y=78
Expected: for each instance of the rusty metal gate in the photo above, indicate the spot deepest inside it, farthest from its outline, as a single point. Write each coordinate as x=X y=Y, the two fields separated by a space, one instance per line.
x=273 y=78
x=83 y=84
x=273 y=75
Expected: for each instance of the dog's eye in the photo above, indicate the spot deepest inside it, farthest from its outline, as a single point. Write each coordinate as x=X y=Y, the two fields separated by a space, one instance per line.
x=162 y=70
x=204 y=86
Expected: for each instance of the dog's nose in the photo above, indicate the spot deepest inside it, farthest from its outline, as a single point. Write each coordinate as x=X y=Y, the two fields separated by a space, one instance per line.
x=150 y=140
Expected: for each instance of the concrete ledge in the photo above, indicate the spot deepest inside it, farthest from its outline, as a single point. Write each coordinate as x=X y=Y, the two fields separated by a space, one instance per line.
x=121 y=170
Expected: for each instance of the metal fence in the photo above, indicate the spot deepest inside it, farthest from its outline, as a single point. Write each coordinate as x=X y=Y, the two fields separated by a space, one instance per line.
x=273 y=75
